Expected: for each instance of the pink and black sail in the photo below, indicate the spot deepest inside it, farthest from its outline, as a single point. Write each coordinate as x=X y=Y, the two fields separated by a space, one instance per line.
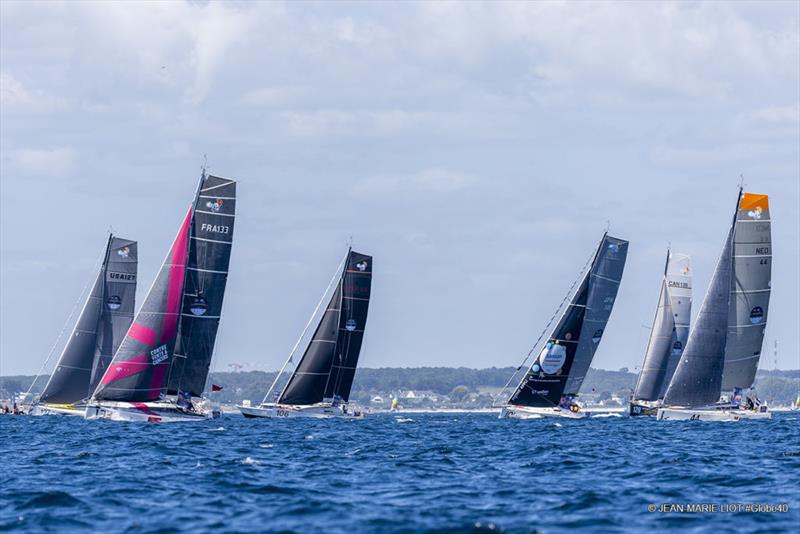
x=186 y=283
x=101 y=327
x=328 y=366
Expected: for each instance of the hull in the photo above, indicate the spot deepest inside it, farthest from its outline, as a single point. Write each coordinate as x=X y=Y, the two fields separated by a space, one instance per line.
x=317 y=411
x=643 y=408
x=76 y=410
x=709 y=414
x=150 y=412
x=511 y=411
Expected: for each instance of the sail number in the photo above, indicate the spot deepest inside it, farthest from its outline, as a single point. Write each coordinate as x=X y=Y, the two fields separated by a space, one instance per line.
x=282 y=413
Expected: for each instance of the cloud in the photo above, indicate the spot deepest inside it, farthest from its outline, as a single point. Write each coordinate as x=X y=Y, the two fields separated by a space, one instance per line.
x=16 y=98
x=434 y=180
x=57 y=161
x=778 y=114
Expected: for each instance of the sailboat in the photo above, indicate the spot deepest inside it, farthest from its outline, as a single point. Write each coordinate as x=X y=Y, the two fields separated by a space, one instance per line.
x=551 y=384
x=159 y=372
x=320 y=384
x=667 y=336
x=105 y=317
x=724 y=346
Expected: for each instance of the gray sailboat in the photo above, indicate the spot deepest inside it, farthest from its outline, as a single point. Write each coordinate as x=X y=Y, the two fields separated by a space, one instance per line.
x=730 y=325
x=106 y=315
x=550 y=386
x=668 y=335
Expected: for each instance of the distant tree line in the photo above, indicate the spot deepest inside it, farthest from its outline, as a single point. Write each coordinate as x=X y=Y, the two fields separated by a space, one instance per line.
x=460 y=383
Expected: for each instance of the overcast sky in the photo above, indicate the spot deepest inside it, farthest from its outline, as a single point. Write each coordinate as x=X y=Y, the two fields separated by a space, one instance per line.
x=476 y=150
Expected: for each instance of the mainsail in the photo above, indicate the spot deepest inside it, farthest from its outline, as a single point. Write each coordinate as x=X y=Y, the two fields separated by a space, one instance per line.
x=189 y=286
x=750 y=292
x=670 y=329
x=104 y=319
x=565 y=359
x=328 y=365
x=210 y=243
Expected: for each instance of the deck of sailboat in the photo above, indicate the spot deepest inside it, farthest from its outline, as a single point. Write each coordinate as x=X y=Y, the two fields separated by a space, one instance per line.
x=322 y=410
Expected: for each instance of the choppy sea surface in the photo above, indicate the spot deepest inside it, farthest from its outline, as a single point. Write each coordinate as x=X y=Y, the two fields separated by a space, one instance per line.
x=397 y=473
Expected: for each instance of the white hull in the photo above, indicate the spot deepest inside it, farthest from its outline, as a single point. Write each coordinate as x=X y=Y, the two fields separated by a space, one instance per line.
x=710 y=414
x=318 y=411
x=150 y=412
x=57 y=409
x=525 y=412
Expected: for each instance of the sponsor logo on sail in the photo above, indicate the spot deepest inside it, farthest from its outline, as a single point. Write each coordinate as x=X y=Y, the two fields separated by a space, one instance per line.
x=677 y=348
x=214 y=205
x=113 y=302
x=756 y=315
x=756 y=213
x=552 y=358
x=350 y=325
x=568 y=336
x=597 y=335
x=362 y=265
x=613 y=248
x=159 y=354
x=215 y=228
x=124 y=252
x=198 y=306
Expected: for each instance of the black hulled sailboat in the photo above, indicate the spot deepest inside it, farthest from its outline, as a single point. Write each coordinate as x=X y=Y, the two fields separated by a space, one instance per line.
x=105 y=317
x=320 y=384
x=160 y=370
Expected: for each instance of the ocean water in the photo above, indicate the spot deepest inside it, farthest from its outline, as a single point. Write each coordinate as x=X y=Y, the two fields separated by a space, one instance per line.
x=396 y=473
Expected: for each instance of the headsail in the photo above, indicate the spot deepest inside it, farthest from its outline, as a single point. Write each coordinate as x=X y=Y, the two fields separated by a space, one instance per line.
x=138 y=371
x=750 y=291
x=565 y=359
x=105 y=318
x=328 y=365
x=670 y=329
x=210 y=243
x=698 y=377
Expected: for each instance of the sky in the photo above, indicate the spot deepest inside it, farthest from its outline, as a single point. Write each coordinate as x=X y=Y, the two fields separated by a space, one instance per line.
x=477 y=150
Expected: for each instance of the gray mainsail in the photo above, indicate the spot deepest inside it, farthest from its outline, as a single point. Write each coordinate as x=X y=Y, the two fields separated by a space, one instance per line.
x=670 y=329
x=698 y=377
x=562 y=365
x=750 y=292
x=104 y=319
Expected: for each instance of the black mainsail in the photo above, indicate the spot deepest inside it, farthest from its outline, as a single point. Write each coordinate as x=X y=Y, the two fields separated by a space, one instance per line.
x=670 y=329
x=562 y=365
x=188 y=289
x=104 y=319
x=328 y=365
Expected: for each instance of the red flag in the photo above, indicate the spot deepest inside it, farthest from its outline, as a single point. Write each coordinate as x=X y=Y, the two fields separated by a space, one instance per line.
x=215 y=387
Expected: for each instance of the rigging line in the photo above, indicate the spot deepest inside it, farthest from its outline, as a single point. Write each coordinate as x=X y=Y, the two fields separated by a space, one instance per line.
x=550 y=322
x=303 y=333
x=99 y=260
